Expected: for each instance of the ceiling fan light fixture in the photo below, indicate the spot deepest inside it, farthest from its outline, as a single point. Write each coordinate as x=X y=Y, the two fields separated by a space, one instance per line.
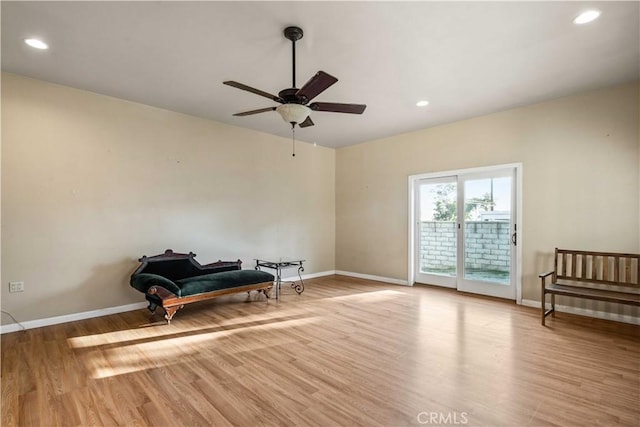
x=294 y=109
x=294 y=113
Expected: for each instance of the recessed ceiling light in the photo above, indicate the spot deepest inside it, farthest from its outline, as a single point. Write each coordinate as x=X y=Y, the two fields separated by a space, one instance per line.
x=422 y=103
x=586 y=17
x=38 y=44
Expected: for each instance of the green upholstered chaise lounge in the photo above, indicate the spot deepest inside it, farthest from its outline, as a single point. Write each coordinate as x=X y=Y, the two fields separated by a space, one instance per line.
x=172 y=280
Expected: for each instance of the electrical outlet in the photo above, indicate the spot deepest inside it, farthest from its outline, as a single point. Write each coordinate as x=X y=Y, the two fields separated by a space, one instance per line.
x=16 y=286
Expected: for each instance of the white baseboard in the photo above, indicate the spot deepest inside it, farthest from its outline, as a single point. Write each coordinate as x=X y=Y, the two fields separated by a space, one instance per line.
x=309 y=276
x=586 y=312
x=30 y=324
x=371 y=277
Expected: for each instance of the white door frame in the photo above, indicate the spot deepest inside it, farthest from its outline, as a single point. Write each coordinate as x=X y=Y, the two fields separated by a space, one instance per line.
x=480 y=286
x=413 y=181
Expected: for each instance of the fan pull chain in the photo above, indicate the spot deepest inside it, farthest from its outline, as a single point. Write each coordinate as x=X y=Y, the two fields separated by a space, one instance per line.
x=293 y=139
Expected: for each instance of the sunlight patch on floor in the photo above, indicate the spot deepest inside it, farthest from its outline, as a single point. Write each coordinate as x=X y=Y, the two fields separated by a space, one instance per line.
x=163 y=351
x=162 y=329
x=368 y=296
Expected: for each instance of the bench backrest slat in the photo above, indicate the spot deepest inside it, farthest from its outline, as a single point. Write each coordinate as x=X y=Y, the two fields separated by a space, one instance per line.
x=607 y=268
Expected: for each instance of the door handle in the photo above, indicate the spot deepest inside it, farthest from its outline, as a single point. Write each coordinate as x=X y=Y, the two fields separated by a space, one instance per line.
x=514 y=238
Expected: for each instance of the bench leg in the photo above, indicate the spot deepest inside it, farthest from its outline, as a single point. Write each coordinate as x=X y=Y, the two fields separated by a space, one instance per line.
x=543 y=304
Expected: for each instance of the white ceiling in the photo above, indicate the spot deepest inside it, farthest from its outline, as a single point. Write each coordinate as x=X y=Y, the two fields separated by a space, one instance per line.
x=466 y=58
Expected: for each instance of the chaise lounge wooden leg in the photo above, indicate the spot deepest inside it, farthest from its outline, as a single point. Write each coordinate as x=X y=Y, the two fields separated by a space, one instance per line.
x=170 y=311
x=152 y=307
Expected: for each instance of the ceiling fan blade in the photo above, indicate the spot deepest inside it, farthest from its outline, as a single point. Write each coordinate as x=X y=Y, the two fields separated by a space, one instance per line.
x=261 y=110
x=253 y=90
x=316 y=85
x=338 y=108
x=307 y=122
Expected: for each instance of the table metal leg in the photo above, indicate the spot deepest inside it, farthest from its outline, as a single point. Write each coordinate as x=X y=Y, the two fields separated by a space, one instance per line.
x=278 y=282
x=299 y=286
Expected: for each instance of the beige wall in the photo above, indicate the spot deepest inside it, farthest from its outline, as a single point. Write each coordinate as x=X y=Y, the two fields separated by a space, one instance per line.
x=90 y=183
x=580 y=180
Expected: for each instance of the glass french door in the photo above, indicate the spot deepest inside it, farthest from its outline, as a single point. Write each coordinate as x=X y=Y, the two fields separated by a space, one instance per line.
x=466 y=232
x=437 y=246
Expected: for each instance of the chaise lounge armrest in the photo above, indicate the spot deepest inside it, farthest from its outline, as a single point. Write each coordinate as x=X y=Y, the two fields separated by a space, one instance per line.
x=161 y=292
x=145 y=281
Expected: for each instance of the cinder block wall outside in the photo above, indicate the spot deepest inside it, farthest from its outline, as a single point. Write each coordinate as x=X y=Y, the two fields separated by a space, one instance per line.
x=486 y=245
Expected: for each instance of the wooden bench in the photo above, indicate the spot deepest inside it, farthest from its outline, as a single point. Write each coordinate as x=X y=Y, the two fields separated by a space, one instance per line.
x=602 y=276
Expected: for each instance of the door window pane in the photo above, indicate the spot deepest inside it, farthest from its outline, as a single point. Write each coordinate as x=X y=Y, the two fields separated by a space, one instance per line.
x=487 y=222
x=438 y=217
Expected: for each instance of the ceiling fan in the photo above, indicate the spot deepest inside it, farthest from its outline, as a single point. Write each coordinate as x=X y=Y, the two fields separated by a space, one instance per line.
x=294 y=108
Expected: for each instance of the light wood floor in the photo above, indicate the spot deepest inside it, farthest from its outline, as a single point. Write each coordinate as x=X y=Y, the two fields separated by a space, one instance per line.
x=345 y=352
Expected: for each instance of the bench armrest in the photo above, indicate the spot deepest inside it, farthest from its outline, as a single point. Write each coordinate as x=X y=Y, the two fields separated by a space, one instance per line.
x=543 y=284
